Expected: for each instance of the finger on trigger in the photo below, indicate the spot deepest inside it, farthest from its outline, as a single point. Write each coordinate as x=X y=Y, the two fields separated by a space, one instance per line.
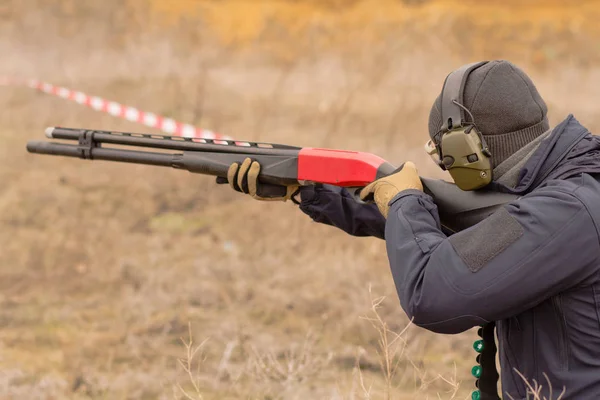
x=367 y=190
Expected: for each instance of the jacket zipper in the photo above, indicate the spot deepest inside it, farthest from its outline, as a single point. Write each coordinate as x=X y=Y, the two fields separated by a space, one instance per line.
x=562 y=332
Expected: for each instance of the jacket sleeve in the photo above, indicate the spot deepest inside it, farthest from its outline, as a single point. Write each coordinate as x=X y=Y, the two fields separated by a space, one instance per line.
x=335 y=206
x=523 y=254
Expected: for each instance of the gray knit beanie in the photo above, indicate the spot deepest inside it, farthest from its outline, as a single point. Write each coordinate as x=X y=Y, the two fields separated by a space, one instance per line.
x=506 y=106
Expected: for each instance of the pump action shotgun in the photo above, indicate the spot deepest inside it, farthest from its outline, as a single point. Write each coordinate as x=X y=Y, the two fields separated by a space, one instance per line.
x=280 y=165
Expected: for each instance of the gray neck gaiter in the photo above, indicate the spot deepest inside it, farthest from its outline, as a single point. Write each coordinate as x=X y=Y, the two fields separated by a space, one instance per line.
x=507 y=173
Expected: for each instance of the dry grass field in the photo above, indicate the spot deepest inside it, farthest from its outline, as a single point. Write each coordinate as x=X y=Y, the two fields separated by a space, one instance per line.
x=134 y=282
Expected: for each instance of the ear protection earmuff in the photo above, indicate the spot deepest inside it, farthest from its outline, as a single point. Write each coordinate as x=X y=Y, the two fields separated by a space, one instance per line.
x=459 y=147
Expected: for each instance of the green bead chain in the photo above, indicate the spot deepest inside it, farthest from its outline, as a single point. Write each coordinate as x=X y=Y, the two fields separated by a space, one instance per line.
x=477 y=370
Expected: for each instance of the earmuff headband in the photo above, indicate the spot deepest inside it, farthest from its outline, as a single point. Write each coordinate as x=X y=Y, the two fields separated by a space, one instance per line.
x=454 y=87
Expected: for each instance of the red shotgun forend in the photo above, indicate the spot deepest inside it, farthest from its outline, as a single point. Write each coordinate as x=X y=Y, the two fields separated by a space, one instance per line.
x=338 y=167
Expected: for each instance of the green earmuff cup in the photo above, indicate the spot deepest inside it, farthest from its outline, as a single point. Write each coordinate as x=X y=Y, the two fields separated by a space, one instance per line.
x=465 y=158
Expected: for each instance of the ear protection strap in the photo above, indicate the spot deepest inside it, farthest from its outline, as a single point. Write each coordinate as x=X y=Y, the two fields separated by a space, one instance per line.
x=454 y=87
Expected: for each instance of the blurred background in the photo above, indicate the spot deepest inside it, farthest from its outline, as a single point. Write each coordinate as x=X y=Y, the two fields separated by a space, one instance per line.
x=134 y=282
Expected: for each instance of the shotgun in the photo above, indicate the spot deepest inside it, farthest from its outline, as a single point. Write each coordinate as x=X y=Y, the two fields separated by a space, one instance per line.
x=280 y=165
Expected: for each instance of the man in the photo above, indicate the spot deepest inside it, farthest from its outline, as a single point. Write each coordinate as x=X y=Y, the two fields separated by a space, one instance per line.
x=533 y=266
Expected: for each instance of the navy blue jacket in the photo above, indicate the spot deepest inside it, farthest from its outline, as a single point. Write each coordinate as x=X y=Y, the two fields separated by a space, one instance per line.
x=533 y=266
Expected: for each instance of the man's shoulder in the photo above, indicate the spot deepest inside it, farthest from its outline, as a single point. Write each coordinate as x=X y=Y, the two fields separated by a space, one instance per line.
x=582 y=185
x=585 y=188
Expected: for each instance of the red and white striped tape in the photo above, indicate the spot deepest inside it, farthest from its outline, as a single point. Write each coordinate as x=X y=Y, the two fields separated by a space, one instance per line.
x=167 y=125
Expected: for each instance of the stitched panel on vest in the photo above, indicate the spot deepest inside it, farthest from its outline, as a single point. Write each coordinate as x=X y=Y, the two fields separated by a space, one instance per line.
x=478 y=246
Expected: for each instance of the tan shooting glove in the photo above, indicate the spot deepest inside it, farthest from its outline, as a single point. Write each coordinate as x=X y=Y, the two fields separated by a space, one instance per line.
x=244 y=179
x=385 y=189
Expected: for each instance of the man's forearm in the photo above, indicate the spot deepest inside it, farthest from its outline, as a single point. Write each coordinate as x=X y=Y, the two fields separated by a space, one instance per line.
x=332 y=205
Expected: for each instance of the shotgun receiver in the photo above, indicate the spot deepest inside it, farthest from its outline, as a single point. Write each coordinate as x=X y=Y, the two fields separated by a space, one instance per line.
x=280 y=165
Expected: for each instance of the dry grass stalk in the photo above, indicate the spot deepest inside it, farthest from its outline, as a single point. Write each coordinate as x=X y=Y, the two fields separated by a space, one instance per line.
x=391 y=344
x=534 y=389
x=392 y=352
x=293 y=365
x=187 y=363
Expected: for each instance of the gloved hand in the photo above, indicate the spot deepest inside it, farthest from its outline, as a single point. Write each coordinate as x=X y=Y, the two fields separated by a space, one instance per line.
x=386 y=188
x=244 y=179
